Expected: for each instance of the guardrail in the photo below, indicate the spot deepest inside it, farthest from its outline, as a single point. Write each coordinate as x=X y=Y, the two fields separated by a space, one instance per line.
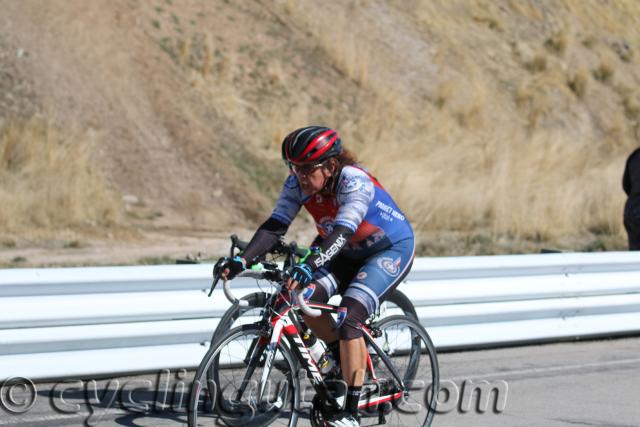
x=74 y=322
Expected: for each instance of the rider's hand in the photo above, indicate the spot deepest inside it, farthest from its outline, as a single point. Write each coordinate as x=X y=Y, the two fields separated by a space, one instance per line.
x=301 y=276
x=229 y=268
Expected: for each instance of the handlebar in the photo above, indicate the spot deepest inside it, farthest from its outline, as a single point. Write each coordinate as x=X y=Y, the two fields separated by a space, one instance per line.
x=227 y=288
x=311 y=312
x=299 y=295
x=304 y=307
x=269 y=271
x=231 y=297
x=281 y=248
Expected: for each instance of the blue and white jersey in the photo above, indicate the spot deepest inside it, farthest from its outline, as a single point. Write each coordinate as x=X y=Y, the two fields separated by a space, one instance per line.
x=360 y=204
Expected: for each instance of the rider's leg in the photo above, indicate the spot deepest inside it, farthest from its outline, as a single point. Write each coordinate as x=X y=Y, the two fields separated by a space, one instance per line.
x=380 y=275
x=353 y=364
x=354 y=361
x=324 y=327
x=352 y=346
x=353 y=350
x=327 y=282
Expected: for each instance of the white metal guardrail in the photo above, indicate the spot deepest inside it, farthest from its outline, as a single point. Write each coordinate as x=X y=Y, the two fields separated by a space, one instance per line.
x=73 y=322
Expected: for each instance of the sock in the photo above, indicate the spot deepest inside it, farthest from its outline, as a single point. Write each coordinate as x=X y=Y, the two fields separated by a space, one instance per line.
x=353 y=397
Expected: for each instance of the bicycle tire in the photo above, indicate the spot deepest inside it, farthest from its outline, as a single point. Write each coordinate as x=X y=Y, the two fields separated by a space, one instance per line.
x=416 y=368
x=255 y=300
x=211 y=406
x=403 y=302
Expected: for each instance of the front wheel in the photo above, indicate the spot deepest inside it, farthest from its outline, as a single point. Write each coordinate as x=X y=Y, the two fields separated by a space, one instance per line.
x=237 y=315
x=228 y=387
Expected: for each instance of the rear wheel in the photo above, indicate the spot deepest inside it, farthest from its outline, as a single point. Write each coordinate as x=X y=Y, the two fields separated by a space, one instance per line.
x=397 y=304
x=409 y=349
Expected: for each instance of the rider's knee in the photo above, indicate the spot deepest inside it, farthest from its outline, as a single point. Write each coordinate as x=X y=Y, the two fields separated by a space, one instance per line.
x=351 y=316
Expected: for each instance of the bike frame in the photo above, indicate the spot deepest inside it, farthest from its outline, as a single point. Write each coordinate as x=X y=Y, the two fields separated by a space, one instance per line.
x=284 y=322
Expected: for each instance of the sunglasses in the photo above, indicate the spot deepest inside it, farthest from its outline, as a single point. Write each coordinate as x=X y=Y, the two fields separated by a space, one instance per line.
x=304 y=169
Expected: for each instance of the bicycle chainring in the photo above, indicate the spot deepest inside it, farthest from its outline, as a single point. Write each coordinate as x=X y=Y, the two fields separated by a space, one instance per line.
x=320 y=412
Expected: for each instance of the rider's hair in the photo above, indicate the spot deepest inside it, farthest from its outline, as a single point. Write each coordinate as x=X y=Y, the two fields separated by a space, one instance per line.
x=345 y=158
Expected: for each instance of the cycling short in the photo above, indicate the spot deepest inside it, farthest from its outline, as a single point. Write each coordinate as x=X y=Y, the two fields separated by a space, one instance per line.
x=369 y=281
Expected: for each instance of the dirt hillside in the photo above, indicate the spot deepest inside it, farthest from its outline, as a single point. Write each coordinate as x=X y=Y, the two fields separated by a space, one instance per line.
x=500 y=126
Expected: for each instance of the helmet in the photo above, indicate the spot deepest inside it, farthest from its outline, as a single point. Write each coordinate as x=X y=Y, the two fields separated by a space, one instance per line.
x=311 y=144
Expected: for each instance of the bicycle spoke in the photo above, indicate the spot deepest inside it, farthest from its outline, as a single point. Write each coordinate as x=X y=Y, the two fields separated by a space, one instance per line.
x=411 y=353
x=232 y=372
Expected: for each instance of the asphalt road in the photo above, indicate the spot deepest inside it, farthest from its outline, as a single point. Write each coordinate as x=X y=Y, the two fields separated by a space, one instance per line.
x=589 y=383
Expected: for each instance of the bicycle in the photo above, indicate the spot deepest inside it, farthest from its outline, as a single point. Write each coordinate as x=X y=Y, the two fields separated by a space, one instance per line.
x=251 y=311
x=250 y=376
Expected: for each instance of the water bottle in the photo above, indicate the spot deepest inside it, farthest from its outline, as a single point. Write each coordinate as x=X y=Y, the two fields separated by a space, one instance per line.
x=319 y=353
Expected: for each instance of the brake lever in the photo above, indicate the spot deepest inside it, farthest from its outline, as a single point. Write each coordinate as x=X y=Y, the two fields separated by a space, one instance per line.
x=234 y=244
x=213 y=284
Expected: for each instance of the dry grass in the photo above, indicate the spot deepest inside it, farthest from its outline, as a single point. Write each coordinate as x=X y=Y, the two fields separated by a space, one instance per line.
x=604 y=71
x=487 y=121
x=557 y=43
x=531 y=172
x=578 y=82
x=348 y=54
x=49 y=179
x=631 y=104
x=515 y=143
x=538 y=189
x=536 y=64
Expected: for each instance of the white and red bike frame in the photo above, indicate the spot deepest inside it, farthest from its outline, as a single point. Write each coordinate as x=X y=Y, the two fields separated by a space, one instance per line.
x=285 y=322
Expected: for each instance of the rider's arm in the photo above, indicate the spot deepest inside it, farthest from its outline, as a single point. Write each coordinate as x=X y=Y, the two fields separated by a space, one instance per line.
x=264 y=239
x=268 y=234
x=329 y=247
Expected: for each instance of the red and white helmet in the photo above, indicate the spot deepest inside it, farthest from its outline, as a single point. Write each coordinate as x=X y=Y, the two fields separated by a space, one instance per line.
x=311 y=144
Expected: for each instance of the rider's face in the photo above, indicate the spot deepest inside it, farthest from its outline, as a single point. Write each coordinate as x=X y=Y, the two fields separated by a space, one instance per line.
x=312 y=179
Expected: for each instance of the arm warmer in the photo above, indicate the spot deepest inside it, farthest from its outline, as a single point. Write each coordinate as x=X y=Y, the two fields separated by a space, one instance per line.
x=330 y=247
x=264 y=239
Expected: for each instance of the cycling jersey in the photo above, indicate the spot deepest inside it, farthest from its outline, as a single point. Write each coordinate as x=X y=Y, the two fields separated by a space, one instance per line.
x=359 y=204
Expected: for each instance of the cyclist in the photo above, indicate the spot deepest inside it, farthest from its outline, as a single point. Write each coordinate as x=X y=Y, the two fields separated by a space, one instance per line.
x=631 y=186
x=364 y=249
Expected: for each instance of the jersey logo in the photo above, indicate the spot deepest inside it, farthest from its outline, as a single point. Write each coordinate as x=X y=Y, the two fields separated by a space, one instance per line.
x=362 y=275
x=390 y=266
x=352 y=184
x=326 y=223
x=291 y=182
x=308 y=291
x=342 y=314
x=333 y=249
x=388 y=212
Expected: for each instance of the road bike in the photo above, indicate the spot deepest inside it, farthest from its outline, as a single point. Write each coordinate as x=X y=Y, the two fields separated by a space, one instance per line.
x=256 y=374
